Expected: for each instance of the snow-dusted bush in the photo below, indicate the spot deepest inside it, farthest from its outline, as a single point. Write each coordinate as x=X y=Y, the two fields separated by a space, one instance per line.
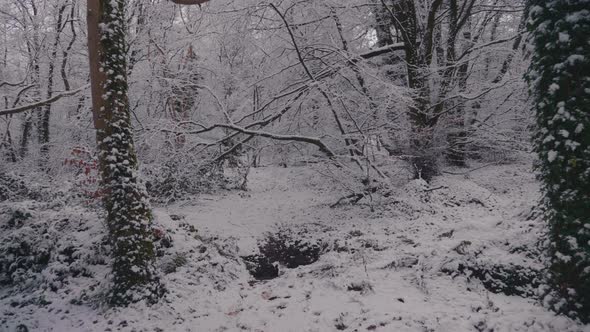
x=174 y=179
x=289 y=247
x=43 y=251
x=13 y=186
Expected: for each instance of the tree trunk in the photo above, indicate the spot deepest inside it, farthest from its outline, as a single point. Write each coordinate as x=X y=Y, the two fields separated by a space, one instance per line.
x=418 y=46
x=559 y=78
x=457 y=136
x=128 y=212
x=515 y=46
x=33 y=49
x=27 y=127
x=45 y=115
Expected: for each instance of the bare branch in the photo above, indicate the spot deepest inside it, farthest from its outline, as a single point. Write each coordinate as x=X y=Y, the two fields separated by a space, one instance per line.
x=311 y=140
x=189 y=2
x=12 y=84
x=20 y=93
x=296 y=138
x=24 y=108
x=382 y=50
x=494 y=42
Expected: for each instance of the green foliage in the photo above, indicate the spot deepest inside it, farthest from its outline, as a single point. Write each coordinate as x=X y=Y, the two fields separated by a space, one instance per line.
x=129 y=214
x=559 y=77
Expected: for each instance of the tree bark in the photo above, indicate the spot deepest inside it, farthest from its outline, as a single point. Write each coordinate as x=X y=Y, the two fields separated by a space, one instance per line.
x=128 y=212
x=559 y=80
x=33 y=49
x=45 y=115
x=456 y=153
x=419 y=45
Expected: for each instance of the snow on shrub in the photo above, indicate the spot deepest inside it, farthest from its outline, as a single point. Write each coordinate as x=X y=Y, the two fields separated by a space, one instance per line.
x=43 y=251
x=289 y=247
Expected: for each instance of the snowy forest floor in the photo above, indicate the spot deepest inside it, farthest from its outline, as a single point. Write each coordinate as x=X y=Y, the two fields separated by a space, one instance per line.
x=429 y=257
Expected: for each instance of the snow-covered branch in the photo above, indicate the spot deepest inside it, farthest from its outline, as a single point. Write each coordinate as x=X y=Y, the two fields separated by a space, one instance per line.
x=12 y=84
x=296 y=138
x=55 y=98
x=382 y=50
x=189 y=2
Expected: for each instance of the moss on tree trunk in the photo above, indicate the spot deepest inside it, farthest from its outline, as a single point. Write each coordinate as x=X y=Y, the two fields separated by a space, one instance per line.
x=560 y=84
x=128 y=211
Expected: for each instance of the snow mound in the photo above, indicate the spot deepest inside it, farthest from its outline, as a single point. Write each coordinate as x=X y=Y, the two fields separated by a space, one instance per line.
x=457 y=254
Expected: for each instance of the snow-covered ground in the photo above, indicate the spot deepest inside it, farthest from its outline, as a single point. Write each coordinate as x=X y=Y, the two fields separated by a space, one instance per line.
x=408 y=262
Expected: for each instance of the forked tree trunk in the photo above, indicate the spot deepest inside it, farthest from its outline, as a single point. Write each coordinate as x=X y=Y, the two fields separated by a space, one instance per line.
x=128 y=212
x=419 y=48
x=457 y=135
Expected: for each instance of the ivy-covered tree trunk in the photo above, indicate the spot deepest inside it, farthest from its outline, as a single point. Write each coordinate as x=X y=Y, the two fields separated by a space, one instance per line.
x=559 y=77
x=128 y=212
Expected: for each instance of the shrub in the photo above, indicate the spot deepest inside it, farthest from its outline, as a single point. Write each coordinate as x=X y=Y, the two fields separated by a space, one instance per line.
x=287 y=247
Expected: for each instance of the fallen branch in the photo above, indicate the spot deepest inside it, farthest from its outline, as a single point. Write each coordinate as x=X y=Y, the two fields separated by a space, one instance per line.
x=352 y=199
x=474 y=169
x=437 y=188
x=356 y=197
